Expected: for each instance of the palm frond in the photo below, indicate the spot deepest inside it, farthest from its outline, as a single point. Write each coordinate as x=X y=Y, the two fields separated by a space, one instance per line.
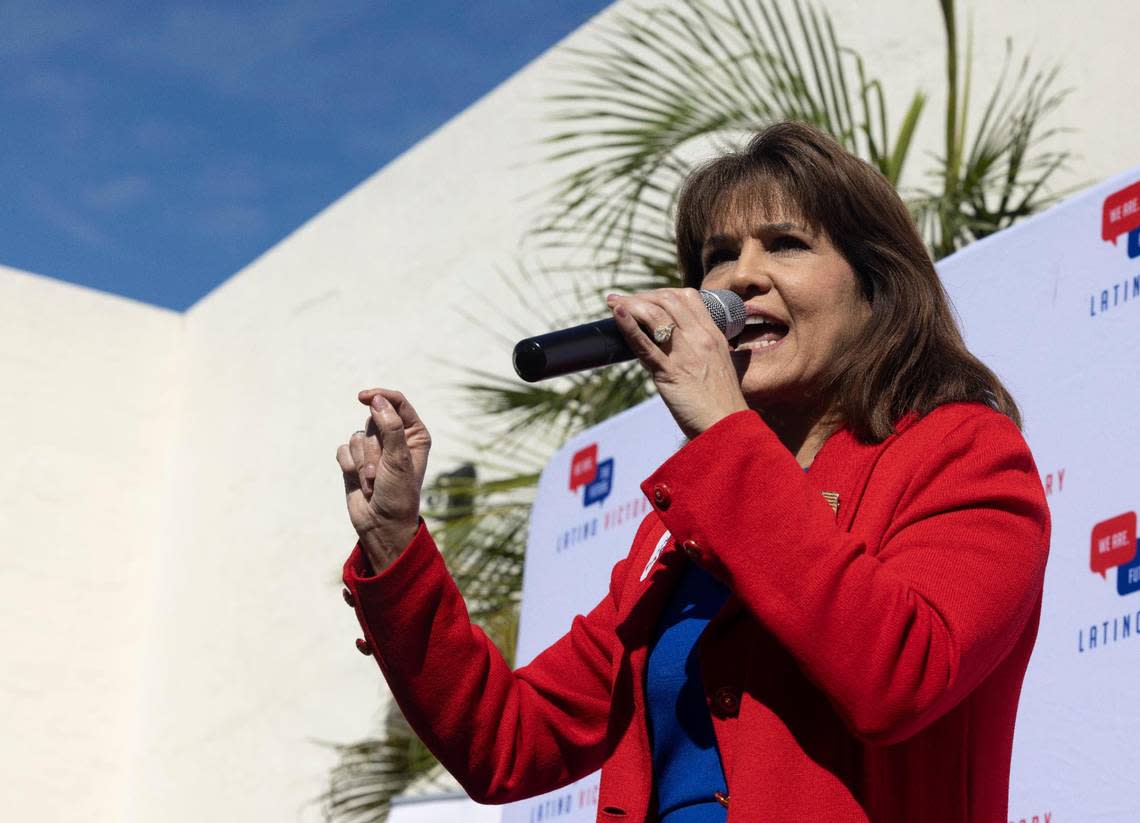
x=999 y=173
x=661 y=85
x=371 y=772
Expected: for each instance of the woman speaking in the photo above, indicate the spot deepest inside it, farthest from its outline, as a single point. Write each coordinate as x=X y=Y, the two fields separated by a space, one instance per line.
x=828 y=613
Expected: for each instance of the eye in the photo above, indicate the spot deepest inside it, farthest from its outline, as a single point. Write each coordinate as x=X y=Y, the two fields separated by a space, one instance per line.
x=715 y=257
x=787 y=242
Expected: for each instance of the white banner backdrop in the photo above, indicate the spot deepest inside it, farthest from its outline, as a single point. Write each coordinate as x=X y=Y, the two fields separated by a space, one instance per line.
x=1053 y=306
x=588 y=507
x=445 y=809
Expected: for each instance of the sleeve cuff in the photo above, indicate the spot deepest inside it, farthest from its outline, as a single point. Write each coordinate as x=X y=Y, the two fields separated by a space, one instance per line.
x=719 y=444
x=358 y=569
x=714 y=474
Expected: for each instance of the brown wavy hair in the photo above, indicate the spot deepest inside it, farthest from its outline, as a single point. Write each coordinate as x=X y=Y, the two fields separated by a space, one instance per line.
x=912 y=357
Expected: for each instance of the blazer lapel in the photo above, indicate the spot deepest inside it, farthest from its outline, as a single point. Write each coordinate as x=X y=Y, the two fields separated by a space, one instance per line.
x=655 y=570
x=839 y=474
x=842 y=468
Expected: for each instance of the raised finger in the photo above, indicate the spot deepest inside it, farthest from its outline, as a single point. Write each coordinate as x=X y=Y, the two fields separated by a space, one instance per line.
x=393 y=444
x=348 y=469
x=371 y=442
x=365 y=471
x=398 y=401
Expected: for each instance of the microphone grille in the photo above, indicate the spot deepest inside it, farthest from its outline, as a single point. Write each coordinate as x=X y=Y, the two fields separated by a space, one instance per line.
x=727 y=310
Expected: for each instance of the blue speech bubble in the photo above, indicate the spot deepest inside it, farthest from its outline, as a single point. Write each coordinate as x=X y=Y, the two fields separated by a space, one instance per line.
x=603 y=483
x=1128 y=574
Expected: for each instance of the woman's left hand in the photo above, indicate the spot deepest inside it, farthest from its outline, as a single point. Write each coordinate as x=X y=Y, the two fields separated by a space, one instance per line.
x=693 y=369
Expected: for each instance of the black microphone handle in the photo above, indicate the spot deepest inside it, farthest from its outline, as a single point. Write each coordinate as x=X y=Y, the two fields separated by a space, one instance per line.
x=588 y=346
x=600 y=343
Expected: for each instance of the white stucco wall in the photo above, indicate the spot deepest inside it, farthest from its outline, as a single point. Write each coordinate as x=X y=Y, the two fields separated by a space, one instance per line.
x=180 y=641
x=86 y=419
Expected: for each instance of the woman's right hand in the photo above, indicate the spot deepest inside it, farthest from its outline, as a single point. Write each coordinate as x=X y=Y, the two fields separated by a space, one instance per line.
x=383 y=468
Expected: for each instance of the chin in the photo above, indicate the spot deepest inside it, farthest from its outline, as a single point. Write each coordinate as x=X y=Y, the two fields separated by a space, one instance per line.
x=760 y=393
x=758 y=397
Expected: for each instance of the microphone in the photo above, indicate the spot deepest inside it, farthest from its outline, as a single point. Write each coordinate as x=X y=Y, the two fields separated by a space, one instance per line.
x=600 y=343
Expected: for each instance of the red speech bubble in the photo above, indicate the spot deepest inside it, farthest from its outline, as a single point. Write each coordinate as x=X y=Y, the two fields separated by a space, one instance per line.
x=1121 y=213
x=583 y=467
x=1113 y=542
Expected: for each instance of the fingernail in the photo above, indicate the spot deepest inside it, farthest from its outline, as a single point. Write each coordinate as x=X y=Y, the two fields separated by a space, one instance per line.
x=620 y=311
x=611 y=297
x=378 y=402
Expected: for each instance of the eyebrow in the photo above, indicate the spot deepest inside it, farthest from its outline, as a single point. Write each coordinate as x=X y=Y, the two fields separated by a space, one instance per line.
x=718 y=239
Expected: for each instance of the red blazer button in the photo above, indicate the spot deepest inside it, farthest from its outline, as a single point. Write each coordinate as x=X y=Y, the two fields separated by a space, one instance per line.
x=662 y=496
x=690 y=548
x=348 y=598
x=726 y=702
x=362 y=646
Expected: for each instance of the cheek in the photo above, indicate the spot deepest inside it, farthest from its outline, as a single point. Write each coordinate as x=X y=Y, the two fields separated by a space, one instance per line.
x=849 y=309
x=831 y=330
x=850 y=326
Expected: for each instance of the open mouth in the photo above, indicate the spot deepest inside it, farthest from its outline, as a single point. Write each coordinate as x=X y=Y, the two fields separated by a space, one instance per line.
x=760 y=333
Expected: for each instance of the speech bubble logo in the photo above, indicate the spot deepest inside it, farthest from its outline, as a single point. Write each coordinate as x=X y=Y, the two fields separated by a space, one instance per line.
x=1113 y=543
x=1121 y=214
x=583 y=466
x=1128 y=576
x=598 y=490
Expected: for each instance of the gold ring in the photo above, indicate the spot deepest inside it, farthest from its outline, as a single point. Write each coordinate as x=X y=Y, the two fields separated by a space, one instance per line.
x=661 y=334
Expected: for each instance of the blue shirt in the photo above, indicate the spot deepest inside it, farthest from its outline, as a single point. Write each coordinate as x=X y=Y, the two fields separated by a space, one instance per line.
x=686 y=762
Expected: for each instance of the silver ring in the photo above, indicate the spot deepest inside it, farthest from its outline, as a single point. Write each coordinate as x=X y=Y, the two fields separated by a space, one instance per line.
x=661 y=334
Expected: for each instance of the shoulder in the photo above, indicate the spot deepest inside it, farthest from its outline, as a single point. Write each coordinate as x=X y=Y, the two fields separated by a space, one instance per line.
x=955 y=431
x=954 y=441
x=963 y=418
x=964 y=455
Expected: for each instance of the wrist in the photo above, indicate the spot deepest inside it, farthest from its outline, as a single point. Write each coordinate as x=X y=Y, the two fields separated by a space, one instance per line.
x=383 y=544
x=712 y=418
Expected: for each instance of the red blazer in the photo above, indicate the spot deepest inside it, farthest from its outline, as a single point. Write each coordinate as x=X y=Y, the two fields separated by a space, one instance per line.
x=866 y=668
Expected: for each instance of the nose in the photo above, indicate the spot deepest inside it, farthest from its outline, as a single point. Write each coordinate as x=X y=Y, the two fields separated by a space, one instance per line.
x=751 y=275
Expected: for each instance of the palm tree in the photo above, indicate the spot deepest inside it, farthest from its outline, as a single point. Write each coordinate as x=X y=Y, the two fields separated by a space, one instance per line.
x=664 y=86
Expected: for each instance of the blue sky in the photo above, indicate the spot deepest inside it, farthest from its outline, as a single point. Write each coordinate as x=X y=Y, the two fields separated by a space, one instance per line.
x=154 y=149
